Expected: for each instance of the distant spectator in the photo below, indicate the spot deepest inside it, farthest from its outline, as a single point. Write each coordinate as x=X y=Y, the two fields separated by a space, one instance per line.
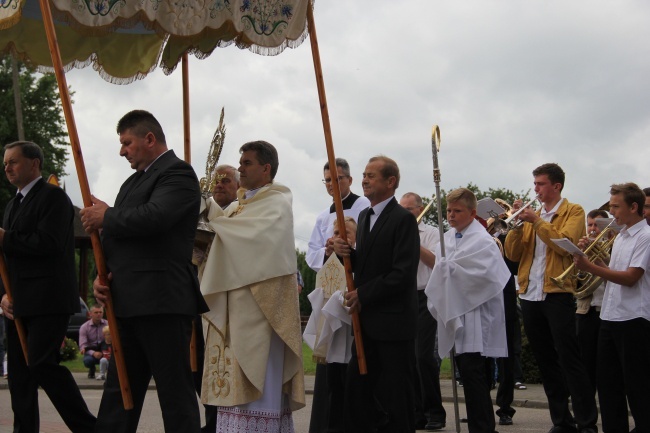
x=106 y=349
x=90 y=339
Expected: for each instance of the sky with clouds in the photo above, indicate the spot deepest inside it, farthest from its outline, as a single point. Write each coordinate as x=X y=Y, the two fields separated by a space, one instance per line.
x=511 y=84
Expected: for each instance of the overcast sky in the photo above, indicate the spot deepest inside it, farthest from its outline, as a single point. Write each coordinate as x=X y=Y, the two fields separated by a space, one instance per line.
x=512 y=85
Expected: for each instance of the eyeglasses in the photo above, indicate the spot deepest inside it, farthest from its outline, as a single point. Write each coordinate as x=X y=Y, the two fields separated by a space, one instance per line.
x=329 y=180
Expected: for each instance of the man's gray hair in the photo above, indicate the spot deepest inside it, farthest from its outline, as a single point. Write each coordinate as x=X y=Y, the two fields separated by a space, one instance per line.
x=224 y=167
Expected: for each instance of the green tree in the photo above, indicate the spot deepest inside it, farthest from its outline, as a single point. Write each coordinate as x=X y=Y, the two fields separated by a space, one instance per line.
x=43 y=120
x=309 y=277
x=509 y=196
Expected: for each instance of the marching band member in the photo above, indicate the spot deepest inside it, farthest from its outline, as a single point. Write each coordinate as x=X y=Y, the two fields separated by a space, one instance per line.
x=588 y=309
x=506 y=391
x=549 y=311
x=624 y=340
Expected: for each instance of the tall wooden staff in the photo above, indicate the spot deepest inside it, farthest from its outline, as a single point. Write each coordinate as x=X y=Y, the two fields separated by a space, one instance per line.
x=338 y=203
x=435 y=148
x=22 y=337
x=187 y=156
x=85 y=194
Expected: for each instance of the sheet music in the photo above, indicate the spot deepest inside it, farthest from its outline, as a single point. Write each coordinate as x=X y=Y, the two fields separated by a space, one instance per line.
x=569 y=246
x=487 y=207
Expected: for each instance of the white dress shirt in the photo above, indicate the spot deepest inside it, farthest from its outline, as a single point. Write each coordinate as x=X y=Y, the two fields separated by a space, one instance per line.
x=631 y=250
x=535 y=290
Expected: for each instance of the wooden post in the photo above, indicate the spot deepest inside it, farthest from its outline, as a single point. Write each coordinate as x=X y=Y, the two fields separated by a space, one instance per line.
x=22 y=336
x=187 y=146
x=338 y=203
x=85 y=194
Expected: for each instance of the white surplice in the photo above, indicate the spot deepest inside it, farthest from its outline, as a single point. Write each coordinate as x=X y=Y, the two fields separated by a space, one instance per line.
x=465 y=294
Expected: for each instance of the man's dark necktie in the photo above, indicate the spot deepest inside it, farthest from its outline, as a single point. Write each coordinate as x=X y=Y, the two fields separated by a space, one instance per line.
x=459 y=235
x=368 y=215
x=14 y=207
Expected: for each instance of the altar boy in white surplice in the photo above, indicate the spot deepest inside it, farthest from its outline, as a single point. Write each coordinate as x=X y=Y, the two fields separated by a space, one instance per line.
x=465 y=295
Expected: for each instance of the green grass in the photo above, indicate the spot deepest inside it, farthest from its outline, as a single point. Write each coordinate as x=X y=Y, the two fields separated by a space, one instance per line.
x=77 y=365
x=445 y=369
x=310 y=366
x=308 y=363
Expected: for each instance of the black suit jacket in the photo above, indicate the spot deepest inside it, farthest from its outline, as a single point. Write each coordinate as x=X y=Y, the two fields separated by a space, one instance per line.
x=385 y=265
x=148 y=238
x=39 y=250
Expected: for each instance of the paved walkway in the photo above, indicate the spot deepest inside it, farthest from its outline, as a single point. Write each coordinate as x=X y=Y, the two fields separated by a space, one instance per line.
x=533 y=397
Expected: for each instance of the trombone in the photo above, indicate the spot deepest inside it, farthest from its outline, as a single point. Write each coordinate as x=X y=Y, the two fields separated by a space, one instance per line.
x=424 y=211
x=504 y=226
x=598 y=249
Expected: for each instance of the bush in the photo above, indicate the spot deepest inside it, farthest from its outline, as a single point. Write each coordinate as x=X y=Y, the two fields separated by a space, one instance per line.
x=69 y=349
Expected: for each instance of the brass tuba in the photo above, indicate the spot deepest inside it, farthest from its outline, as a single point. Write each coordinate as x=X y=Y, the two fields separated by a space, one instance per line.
x=599 y=248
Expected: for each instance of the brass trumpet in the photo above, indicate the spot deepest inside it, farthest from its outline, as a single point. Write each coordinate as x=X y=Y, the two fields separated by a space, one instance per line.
x=504 y=226
x=599 y=248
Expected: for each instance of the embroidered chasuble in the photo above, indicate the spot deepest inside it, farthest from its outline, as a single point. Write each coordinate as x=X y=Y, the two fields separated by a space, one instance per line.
x=253 y=324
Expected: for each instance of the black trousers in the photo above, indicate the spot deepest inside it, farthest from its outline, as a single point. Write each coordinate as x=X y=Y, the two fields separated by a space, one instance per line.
x=473 y=368
x=428 y=398
x=210 y=411
x=382 y=400
x=587 y=328
x=506 y=390
x=320 y=408
x=44 y=337
x=624 y=375
x=157 y=346
x=551 y=330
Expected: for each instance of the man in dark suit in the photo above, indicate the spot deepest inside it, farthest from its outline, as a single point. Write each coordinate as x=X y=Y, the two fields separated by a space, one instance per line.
x=385 y=266
x=38 y=243
x=148 y=238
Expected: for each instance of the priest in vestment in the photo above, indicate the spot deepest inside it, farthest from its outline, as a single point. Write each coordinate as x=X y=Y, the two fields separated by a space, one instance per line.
x=465 y=295
x=253 y=350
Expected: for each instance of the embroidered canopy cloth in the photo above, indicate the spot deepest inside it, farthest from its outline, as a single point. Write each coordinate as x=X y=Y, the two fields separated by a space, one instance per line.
x=124 y=39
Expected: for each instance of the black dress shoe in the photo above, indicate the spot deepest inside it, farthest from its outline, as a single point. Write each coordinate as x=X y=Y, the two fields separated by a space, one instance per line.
x=419 y=425
x=505 y=420
x=589 y=430
x=434 y=425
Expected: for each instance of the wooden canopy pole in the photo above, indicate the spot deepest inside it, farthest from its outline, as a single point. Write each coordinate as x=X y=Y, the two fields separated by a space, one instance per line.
x=19 y=323
x=100 y=262
x=338 y=202
x=187 y=146
x=186 y=109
